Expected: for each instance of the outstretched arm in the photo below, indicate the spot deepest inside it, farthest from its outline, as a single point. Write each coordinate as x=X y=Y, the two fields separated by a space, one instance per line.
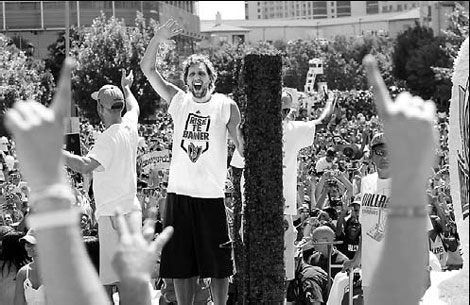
x=79 y=164
x=148 y=64
x=327 y=112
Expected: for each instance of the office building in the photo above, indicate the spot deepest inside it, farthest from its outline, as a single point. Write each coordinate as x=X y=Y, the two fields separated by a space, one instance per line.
x=255 y=10
x=40 y=22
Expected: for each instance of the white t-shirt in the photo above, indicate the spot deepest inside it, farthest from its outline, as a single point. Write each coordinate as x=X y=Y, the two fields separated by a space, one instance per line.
x=437 y=248
x=296 y=135
x=323 y=164
x=115 y=181
x=199 y=153
x=375 y=197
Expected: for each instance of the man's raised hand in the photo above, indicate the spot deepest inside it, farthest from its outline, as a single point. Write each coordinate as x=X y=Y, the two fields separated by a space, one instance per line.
x=169 y=29
x=126 y=80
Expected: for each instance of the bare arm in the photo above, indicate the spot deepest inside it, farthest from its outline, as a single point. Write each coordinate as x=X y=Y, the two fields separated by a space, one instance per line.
x=347 y=184
x=132 y=105
x=19 y=288
x=408 y=126
x=327 y=112
x=340 y=222
x=319 y=191
x=82 y=165
x=65 y=267
x=233 y=127
x=148 y=64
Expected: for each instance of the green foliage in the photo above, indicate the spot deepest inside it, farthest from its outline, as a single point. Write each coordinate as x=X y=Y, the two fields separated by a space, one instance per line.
x=342 y=59
x=453 y=38
x=299 y=52
x=21 y=78
x=57 y=51
x=415 y=53
x=106 y=47
x=263 y=215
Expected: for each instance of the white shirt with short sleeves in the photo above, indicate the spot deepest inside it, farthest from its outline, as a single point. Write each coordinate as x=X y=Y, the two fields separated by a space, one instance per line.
x=199 y=153
x=375 y=198
x=115 y=181
x=322 y=165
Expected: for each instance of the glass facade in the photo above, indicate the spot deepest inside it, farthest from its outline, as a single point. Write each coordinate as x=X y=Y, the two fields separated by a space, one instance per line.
x=372 y=7
x=44 y=15
x=343 y=8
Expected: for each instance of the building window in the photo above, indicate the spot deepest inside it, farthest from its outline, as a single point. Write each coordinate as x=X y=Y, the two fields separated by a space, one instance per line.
x=372 y=7
x=343 y=8
x=399 y=8
x=320 y=9
x=384 y=9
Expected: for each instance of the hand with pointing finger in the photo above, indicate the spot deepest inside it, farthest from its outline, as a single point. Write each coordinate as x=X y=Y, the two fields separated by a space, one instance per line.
x=408 y=124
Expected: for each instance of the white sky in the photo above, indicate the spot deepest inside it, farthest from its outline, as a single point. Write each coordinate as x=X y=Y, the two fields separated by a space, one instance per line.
x=228 y=9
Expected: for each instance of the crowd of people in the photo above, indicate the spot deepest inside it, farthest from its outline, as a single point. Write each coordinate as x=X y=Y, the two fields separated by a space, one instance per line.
x=339 y=170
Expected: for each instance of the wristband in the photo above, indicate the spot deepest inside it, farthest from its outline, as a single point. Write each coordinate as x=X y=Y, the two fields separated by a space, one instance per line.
x=408 y=212
x=52 y=195
x=59 y=218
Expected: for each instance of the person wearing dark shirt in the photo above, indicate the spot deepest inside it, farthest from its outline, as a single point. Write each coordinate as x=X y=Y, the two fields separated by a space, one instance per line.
x=348 y=230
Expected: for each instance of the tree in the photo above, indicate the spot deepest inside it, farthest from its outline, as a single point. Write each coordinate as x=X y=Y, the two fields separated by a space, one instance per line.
x=416 y=51
x=57 y=52
x=453 y=38
x=106 y=47
x=299 y=52
x=21 y=78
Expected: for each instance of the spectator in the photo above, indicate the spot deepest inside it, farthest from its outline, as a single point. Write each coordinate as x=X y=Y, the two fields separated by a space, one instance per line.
x=113 y=163
x=318 y=256
x=326 y=162
x=13 y=256
x=348 y=230
x=29 y=287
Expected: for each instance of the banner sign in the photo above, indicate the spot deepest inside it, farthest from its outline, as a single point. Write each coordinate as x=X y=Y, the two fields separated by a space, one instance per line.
x=156 y=160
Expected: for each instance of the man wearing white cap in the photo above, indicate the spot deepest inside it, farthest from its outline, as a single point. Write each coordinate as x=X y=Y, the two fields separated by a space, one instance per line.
x=113 y=163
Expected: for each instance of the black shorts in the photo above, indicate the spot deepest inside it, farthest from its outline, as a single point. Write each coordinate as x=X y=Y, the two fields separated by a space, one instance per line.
x=198 y=246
